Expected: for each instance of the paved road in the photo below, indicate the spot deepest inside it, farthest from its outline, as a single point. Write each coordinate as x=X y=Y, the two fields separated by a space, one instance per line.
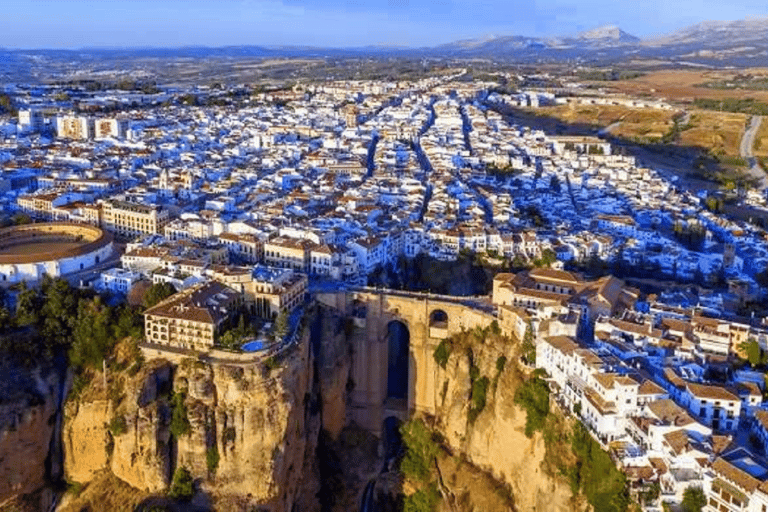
x=747 y=143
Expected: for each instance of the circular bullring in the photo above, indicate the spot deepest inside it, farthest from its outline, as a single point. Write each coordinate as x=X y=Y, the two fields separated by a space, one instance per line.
x=30 y=251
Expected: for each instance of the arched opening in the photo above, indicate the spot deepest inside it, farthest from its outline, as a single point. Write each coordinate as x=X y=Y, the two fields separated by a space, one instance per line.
x=438 y=318
x=399 y=339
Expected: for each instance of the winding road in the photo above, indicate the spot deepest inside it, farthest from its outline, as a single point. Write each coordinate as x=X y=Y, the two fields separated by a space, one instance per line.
x=747 y=143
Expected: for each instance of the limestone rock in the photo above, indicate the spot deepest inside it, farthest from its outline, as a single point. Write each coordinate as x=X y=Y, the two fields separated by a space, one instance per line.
x=496 y=441
x=28 y=407
x=85 y=439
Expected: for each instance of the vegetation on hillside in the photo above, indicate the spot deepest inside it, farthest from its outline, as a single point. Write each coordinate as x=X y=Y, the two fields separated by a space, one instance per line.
x=748 y=106
x=588 y=468
x=55 y=317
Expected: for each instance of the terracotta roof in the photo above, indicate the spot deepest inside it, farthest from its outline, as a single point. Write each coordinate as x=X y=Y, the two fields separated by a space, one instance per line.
x=669 y=412
x=710 y=392
x=735 y=475
x=677 y=441
x=659 y=464
x=206 y=303
x=564 y=344
x=648 y=387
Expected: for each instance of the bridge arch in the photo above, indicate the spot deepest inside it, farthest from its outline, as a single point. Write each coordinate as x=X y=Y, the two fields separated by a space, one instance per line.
x=398 y=360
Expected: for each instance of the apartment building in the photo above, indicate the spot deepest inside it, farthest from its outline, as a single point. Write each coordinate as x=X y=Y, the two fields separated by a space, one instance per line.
x=290 y=253
x=248 y=248
x=74 y=127
x=129 y=219
x=109 y=128
x=193 y=318
x=540 y=289
x=266 y=291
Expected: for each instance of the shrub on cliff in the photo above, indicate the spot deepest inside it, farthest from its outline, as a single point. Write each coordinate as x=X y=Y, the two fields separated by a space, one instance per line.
x=118 y=425
x=183 y=486
x=179 y=421
x=212 y=459
x=423 y=500
x=442 y=353
x=421 y=450
x=533 y=396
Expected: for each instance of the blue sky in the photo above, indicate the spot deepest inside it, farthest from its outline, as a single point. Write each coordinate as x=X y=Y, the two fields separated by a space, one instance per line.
x=83 y=23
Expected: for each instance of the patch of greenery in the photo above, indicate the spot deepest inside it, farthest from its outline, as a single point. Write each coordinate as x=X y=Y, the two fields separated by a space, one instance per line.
x=118 y=426
x=271 y=363
x=157 y=293
x=179 y=421
x=528 y=347
x=75 y=488
x=442 y=353
x=183 y=485
x=479 y=394
x=739 y=105
x=423 y=500
x=533 y=396
x=212 y=459
x=595 y=474
x=420 y=450
x=501 y=363
x=694 y=500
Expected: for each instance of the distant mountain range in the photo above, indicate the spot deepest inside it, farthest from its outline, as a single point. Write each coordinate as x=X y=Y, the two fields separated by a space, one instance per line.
x=741 y=42
x=711 y=43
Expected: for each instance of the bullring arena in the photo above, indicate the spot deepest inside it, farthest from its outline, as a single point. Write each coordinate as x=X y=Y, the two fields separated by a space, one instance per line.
x=30 y=251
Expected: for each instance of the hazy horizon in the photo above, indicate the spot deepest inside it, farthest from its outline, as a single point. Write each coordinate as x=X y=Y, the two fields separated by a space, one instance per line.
x=78 y=24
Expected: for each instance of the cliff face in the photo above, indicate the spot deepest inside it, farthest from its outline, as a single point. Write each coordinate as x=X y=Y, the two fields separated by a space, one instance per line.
x=253 y=418
x=246 y=443
x=496 y=440
x=29 y=400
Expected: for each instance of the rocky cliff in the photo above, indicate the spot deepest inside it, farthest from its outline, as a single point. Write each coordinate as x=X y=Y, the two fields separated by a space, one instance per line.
x=29 y=400
x=495 y=440
x=245 y=440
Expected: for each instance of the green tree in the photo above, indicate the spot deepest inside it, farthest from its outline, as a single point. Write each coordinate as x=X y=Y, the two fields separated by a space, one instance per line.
x=157 y=293
x=528 y=347
x=212 y=459
x=421 y=450
x=28 y=306
x=694 y=500
x=183 y=486
x=92 y=336
x=281 y=324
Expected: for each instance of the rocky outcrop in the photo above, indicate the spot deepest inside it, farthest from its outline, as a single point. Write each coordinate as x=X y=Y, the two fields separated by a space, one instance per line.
x=496 y=440
x=141 y=457
x=247 y=441
x=251 y=421
x=28 y=408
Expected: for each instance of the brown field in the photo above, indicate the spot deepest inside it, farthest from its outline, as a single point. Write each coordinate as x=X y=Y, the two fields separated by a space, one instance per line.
x=681 y=85
x=761 y=140
x=719 y=132
x=636 y=123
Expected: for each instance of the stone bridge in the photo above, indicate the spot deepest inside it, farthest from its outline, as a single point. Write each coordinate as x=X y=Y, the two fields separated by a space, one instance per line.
x=394 y=338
